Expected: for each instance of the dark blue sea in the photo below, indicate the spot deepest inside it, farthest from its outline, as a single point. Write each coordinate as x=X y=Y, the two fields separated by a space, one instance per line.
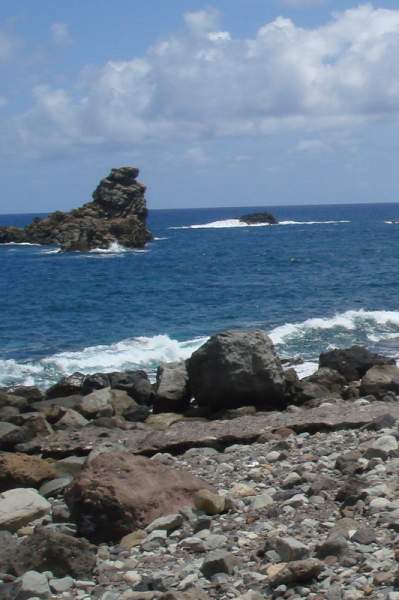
x=327 y=276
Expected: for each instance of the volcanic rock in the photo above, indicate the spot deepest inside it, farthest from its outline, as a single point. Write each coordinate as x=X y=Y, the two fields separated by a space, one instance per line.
x=49 y=550
x=118 y=492
x=20 y=506
x=117 y=214
x=21 y=470
x=259 y=218
x=353 y=362
x=237 y=368
x=379 y=380
x=172 y=388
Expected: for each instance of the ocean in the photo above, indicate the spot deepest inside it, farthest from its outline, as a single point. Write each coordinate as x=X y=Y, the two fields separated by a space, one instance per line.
x=325 y=277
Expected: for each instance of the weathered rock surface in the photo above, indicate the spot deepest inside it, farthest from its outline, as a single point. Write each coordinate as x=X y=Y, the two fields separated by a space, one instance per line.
x=237 y=368
x=259 y=218
x=116 y=214
x=48 y=550
x=353 y=362
x=118 y=492
x=21 y=470
x=21 y=506
x=172 y=388
x=379 y=380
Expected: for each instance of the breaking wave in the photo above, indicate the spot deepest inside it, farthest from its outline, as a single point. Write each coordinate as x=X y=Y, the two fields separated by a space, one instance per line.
x=229 y=223
x=306 y=339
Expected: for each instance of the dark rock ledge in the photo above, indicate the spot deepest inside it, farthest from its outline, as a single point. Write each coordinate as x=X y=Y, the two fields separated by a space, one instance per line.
x=117 y=214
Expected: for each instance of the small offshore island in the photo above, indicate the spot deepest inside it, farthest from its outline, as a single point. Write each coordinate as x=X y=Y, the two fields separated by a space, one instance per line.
x=117 y=213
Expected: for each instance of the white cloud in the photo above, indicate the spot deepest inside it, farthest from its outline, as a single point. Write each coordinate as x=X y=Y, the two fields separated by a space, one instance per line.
x=61 y=35
x=204 y=84
x=197 y=155
x=312 y=146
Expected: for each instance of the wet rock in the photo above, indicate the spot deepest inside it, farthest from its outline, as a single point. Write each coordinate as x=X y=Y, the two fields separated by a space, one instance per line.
x=21 y=470
x=49 y=550
x=67 y=386
x=135 y=383
x=237 y=368
x=20 y=506
x=172 y=388
x=118 y=492
x=352 y=363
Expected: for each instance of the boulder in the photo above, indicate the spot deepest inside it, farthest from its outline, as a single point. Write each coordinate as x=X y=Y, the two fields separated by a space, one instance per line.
x=49 y=550
x=71 y=419
x=135 y=383
x=238 y=368
x=93 y=382
x=29 y=392
x=118 y=492
x=8 y=550
x=379 y=380
x=172 y=388
x=20 y=506
x=117 y=214
x=21 y=470
x=97 y=404
x=8 y=399
x=34 y=585
x=67 y=386
x=259 y=218
x=10 y=435
x=354 y=362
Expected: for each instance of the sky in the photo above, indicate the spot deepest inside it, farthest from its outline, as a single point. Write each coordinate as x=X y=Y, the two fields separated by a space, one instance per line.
x=230 y=103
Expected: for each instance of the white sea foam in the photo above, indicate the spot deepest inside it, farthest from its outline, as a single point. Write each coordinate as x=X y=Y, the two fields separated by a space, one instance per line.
x=230 y=223
x=132 y=353
x=159 y=239
x=20 y=244
x=114 y=248
x=54 y=251
x=374 y=323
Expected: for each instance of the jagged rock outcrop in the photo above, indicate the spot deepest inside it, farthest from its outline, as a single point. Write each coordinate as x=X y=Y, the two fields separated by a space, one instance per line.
x=117 y=214
x=259 y=218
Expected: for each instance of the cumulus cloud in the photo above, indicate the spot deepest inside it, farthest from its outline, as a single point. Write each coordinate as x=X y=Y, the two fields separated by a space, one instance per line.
x=61 y=35
x=205 y=84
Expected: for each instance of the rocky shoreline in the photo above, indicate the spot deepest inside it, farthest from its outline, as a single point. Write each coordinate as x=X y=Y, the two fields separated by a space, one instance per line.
x=227 y=478
x=117 y=214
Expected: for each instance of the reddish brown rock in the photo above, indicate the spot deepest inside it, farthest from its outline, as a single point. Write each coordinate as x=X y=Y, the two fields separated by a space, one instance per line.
x=21 y=470
x=118 y=492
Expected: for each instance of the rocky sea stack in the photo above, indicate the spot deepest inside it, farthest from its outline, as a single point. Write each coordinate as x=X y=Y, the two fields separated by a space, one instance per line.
x=117 y=214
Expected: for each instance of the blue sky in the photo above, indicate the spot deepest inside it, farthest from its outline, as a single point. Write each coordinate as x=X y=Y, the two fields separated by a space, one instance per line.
x=239 y=102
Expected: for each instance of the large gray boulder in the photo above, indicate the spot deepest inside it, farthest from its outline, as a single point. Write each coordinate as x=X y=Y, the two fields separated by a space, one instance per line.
x=172 y=388
x=379 y=380
x=238 y=368
x=20 y=506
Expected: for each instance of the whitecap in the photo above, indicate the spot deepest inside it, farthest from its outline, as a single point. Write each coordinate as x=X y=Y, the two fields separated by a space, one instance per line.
x=131 y=353
x=232 y=223
x=159 y=239
x=19 y=244
x=114 y=248
x=54 y=251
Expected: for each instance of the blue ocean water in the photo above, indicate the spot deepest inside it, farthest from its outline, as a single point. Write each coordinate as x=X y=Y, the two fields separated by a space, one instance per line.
x=327 y=276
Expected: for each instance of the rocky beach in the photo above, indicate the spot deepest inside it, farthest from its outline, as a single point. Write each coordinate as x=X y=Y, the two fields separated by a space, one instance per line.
x=229 y=477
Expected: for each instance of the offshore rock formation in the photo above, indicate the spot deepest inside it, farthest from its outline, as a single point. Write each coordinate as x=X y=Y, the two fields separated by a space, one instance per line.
x=259 y=218
x=117 y=214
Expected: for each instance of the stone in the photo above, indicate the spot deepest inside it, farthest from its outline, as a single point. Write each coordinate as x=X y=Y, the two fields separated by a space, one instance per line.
x=219 y=561
x=260 y=217
x=208 y=502
x=118 y=492
x=379 y=380
x=97 y=404
x=352 y=363
x=261 y=501
x=22 y=470
x=364 y=535
x=117 y=214
x=71 y=419
x=172 y=390
x=163 y=421
x=61 y=585
x=299 y=571
x=291 y=549
x=242 y=490
x=8 y=549
x=169 y=522
x=48 y=550
x=55 y=487
x=10 y=435
x=335 y=545
x=135 y=383
x=34 y=585
x=382 y=447
x=18 y=507
x=237 y=368
x=67 y=386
